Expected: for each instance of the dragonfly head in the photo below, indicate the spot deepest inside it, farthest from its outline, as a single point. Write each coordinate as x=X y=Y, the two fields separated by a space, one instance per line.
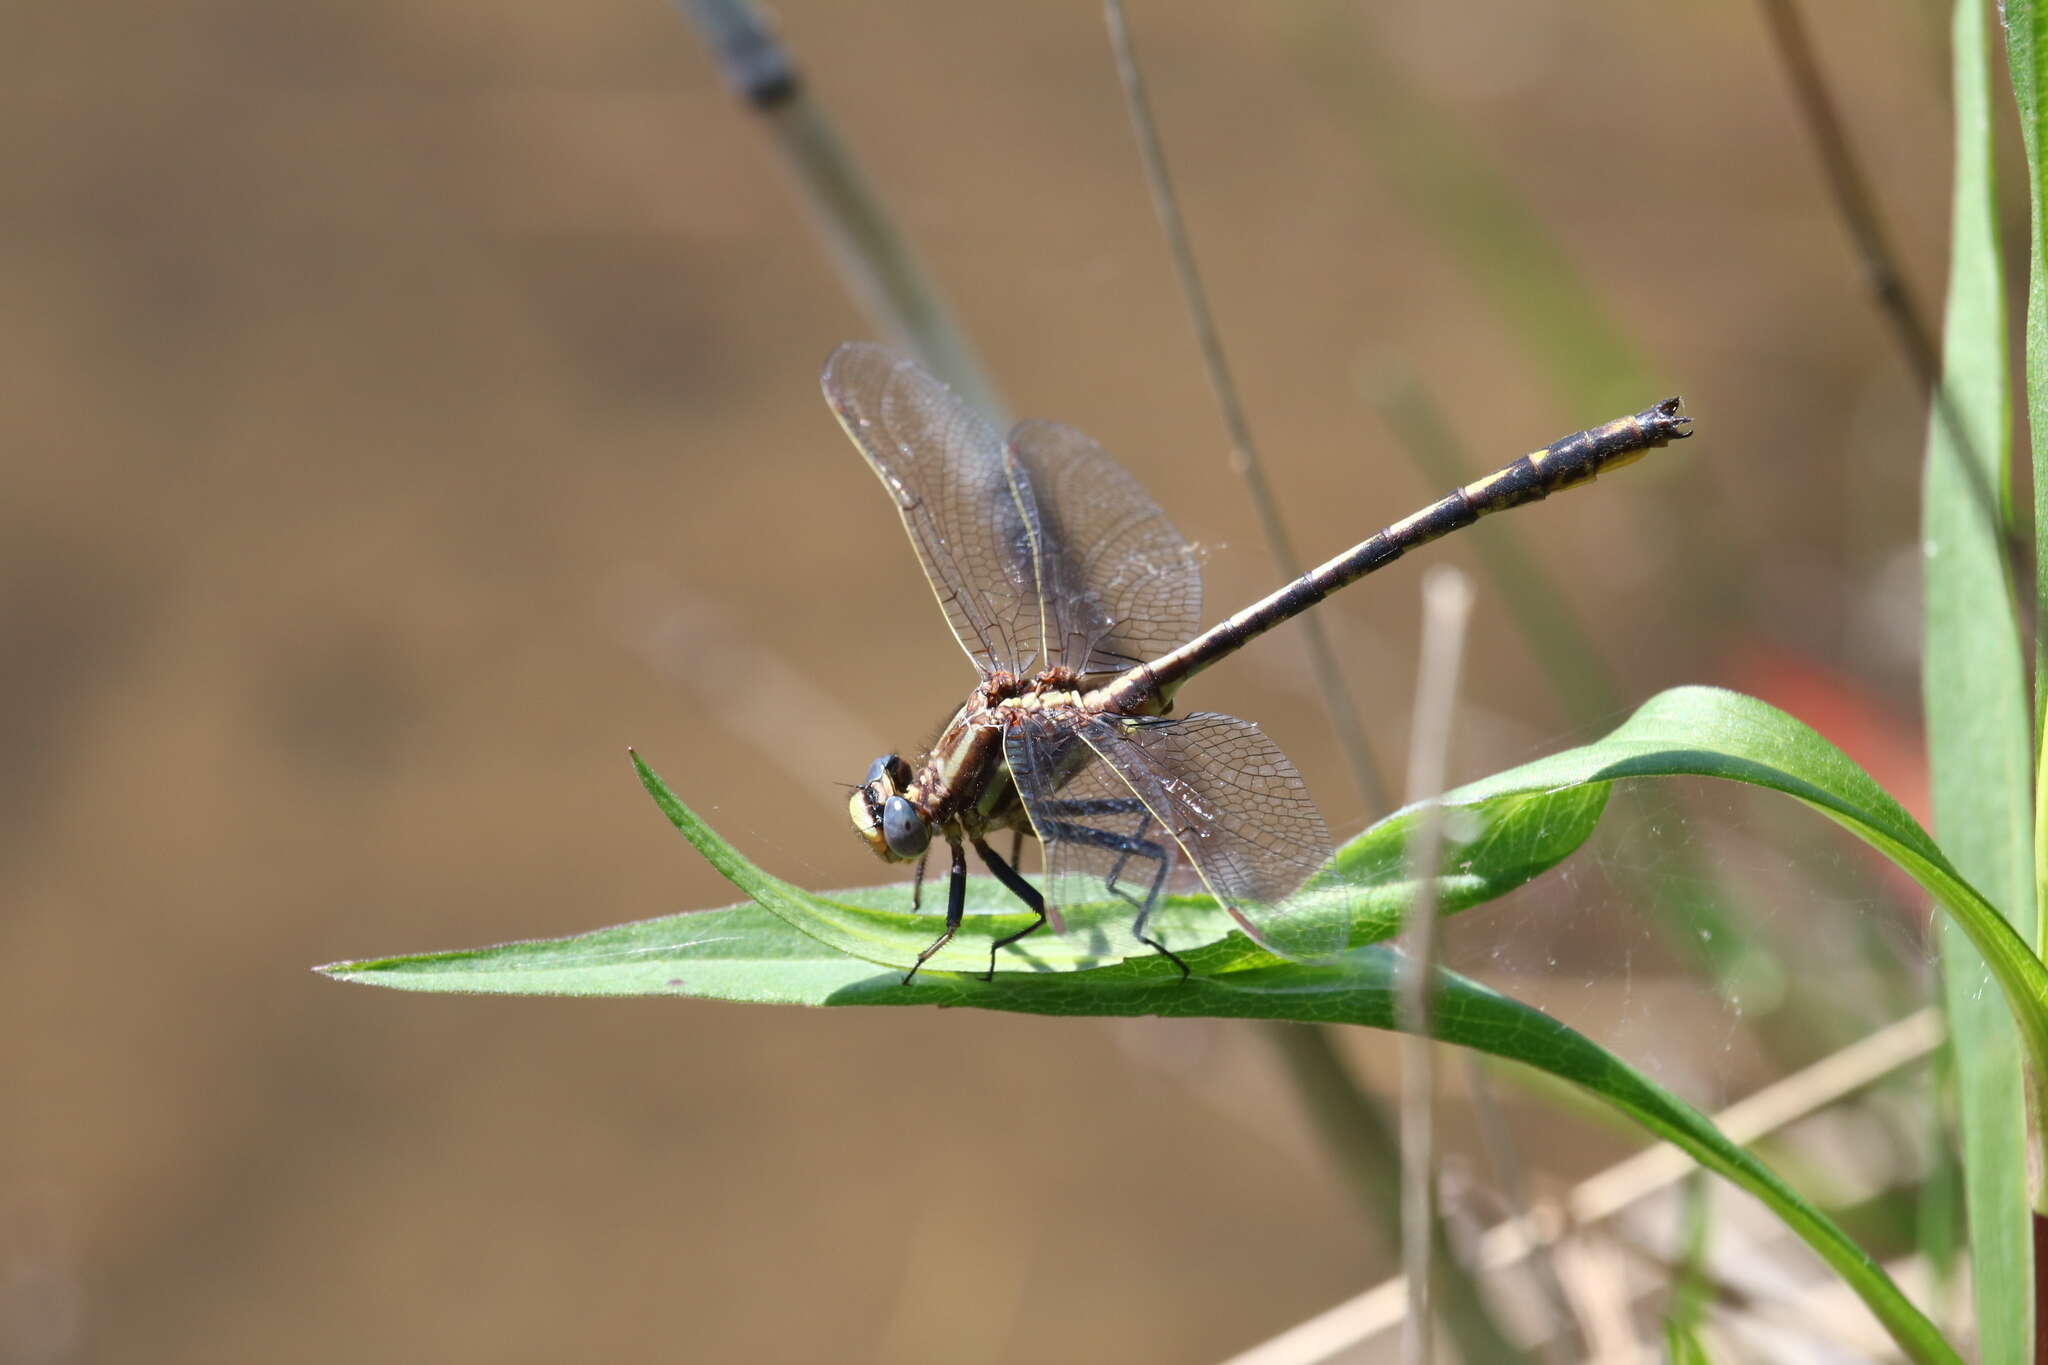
x=887 y=819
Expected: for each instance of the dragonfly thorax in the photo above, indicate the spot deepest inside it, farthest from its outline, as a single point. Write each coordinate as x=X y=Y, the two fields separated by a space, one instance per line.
x=960 y=787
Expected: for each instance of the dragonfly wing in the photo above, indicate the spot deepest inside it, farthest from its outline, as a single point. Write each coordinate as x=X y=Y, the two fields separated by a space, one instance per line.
x=944 y=465
x=1100 y=841
x=1119 y=584
x=1242 y=816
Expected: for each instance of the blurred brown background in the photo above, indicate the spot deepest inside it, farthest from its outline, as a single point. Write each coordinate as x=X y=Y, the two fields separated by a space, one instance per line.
x=412 y=404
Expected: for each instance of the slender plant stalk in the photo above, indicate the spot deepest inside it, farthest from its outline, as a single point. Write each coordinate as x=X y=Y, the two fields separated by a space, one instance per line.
x=1466 y=1310
x=1686 y=901
x=1446 y=615
x=1474 y=213
x=1244 y=454
x=1561 y=1340
x=876 y=260
x=1355 y=1131
x=1857 y=206
x=1477 y=219
x=1563 y=647
x=1625 y=1185
x=1481 y=222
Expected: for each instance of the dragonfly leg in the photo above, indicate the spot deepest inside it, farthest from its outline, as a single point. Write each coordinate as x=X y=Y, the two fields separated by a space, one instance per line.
x=1018 y=887
x=1111 y=805
x=1116 y=869
x=1128 y=846
x=1103 y=805
x=1016 y=847
x=1152 y=903
x=956 y=907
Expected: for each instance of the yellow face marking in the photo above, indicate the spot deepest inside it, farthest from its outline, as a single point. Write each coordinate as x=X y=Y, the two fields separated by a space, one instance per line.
x=867 y=827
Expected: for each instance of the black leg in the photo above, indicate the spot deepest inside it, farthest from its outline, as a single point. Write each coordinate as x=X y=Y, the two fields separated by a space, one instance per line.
x=1108 y=805
x=1018 y=887
x=1128 y=846
x=1016 y=847
x=1116 y=869
x=956 y=906
x=1151 y=903
x=1103 y=805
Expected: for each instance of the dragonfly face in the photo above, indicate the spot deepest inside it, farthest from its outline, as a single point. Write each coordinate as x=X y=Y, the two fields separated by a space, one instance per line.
x=884 y=817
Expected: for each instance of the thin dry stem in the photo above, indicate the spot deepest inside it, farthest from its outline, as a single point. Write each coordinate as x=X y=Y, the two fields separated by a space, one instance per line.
x=1446 y=614
x=1244 y=455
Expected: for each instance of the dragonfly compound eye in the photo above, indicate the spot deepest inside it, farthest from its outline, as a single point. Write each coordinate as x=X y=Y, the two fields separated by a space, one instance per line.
x=904 y=829
x=888 y=774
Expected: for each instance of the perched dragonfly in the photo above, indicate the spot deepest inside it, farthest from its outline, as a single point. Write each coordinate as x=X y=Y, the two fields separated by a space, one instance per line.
x=1078 y=602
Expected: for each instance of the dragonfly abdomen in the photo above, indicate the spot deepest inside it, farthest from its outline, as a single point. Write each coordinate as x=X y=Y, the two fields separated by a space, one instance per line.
x=1575 y=460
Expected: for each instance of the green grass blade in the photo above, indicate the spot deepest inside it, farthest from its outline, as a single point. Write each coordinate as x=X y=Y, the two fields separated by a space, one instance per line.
x=1978 y=725
x=2026 y=51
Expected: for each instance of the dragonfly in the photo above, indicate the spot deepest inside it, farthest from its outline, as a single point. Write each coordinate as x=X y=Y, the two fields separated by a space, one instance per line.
x=1078 y=603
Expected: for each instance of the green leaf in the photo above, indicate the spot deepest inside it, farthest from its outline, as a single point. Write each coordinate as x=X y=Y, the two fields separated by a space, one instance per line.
x=1709 y=732
x=1978 y=726
x=1509 y=834
x=747 y=953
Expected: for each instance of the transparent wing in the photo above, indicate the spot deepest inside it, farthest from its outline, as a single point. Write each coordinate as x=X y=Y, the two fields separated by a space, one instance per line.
x=1119 y=584
x=1100 y=841
x=944 y=465
x=1242 y=815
